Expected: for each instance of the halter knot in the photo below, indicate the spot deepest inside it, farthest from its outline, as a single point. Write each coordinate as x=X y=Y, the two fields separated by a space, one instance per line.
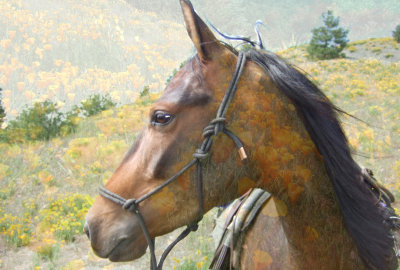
x=200 y=154
x=218 y=123
x=131 y=205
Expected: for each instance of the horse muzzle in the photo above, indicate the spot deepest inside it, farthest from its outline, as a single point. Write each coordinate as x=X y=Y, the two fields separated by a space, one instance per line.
x=118 y=241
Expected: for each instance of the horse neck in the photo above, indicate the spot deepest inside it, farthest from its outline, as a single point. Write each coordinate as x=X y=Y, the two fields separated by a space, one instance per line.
x=287 y=164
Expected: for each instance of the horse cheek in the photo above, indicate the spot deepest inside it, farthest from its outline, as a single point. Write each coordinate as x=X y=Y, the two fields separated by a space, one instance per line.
x=164 y=202
x=223 y=149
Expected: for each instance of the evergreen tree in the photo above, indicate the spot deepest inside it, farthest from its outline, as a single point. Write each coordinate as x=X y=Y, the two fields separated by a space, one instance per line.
x=2 y=112
x=328 y=41
x=396 y=33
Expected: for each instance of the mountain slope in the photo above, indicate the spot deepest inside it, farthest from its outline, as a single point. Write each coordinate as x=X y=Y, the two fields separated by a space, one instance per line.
x=71 y=49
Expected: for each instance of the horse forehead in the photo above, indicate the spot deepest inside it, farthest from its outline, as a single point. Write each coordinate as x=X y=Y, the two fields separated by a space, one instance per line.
x=184 y=88
x=178 y=88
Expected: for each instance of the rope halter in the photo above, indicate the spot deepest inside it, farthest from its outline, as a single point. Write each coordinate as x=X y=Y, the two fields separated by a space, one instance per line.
x=215 y=126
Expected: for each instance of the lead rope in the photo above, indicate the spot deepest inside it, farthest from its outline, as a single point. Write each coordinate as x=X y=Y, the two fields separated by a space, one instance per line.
x=216 y=125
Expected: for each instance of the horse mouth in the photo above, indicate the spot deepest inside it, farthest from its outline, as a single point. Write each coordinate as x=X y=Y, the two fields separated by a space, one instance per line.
x=127 y=249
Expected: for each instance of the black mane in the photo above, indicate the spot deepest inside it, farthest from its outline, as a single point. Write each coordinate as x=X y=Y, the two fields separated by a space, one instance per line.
x=366 y=218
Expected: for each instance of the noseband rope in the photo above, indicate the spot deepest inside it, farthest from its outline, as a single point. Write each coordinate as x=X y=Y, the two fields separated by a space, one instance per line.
x=215 y=126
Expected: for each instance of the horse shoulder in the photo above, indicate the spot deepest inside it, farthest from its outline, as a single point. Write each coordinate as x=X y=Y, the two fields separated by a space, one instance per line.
x=266 y=246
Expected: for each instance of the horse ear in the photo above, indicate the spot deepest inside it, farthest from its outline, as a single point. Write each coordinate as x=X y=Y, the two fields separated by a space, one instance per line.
x=205 y=42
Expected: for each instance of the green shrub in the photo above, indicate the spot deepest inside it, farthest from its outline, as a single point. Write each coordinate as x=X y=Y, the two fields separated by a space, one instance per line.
x=71 y=121
x=41 y=122
x=44 y=121
x=95 y=104
x=2 y=112
x=145 y=92
x=144 y=96
x=328 y=41
x=389 y=55
x=377 y=50
x=396 y=33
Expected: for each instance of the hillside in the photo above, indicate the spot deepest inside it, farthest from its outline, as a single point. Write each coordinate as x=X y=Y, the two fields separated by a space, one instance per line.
x=384 y=49
x=47 y=187
x=69 y=50
x=69 y=170
x=366 y=86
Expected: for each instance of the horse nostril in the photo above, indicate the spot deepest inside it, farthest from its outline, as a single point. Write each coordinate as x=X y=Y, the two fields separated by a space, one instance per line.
x=86 y=228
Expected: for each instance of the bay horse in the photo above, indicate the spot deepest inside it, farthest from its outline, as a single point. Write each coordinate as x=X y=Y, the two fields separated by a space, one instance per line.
x=324 y=214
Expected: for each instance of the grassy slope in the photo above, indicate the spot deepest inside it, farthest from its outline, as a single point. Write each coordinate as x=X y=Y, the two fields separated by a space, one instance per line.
x=36 y=177
x=386 y=49
x=369 y=89
x=33 y=176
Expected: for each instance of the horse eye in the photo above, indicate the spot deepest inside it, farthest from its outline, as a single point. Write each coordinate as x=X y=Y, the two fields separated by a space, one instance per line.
x=161 y=118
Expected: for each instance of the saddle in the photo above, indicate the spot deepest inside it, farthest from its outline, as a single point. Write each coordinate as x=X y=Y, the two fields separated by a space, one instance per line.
x=231 y=226
x=234 y=220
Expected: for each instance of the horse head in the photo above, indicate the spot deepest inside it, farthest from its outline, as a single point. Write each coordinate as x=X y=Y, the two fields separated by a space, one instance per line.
x=168 y=141
x=297 y=151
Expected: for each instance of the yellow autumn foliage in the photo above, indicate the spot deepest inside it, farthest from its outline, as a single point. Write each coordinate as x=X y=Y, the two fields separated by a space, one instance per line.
x=4 y=171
